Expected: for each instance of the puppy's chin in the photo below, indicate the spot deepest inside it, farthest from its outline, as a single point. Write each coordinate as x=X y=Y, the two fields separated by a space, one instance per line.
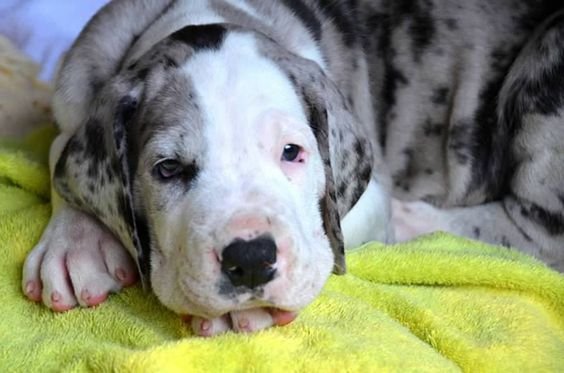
x=277 y=296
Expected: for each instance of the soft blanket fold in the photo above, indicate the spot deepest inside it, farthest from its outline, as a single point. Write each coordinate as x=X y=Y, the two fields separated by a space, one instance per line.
x=440 y=303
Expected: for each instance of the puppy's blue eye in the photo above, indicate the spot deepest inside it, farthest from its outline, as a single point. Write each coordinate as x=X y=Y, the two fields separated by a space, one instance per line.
x=291 y=153
x=168 y=169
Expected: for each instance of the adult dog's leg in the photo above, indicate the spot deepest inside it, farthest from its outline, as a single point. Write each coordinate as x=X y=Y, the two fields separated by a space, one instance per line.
x=531 y=215
x=77 y=260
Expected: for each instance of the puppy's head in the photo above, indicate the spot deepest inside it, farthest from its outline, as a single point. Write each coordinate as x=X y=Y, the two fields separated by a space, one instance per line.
x=210 y=157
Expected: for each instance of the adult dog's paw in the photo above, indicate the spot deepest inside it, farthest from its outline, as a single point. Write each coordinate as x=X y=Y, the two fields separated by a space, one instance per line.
x=77 y=261
x=412 y=219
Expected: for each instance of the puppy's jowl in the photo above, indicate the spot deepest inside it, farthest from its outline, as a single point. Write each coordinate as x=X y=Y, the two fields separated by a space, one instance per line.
x=228 y=151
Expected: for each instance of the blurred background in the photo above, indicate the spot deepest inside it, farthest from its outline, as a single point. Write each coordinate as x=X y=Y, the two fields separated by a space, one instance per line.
x=44 y=29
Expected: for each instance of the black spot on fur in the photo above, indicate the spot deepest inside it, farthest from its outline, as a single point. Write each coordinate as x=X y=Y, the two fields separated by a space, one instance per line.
x=432 y=129
x=91 y=188
x=402 y=178
x=342 y=190
x=359 y=149
x=422 y=31
x=393 y=79
x=358 y=192
x=553 y=222
x=366 y=172
x=409 y=171
x=93 y=170
x=169 y=62
x=380 y=26
x=142 y=74
x=74 y=146
x=341 y=15
x=440 y=96
x=95 y=84
x=114 y=169
x=376 y=35
x=451 y=24
x=421 y=25
x=477 y=232
x=306 y=15
x=376 y=26
x=95 y=145
x=293 y=79
x=505 y=242
x=332 y=195
x=345 y=158
x=201 y=36
x=561 y=198
x=461 y=141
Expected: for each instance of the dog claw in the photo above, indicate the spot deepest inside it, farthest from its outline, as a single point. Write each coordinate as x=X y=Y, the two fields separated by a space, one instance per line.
x=56 y=305
x=33 y=291
x=282 y=318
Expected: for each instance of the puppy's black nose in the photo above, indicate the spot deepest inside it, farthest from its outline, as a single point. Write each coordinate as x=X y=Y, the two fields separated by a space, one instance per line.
x=250 y=263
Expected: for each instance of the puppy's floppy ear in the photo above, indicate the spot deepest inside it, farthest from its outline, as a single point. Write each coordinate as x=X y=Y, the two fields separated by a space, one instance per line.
x=317 y=118
x=345 y=149
x=93 y=172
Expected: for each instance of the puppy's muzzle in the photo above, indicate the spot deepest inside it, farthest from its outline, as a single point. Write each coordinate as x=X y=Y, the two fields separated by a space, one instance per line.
x=250 y=263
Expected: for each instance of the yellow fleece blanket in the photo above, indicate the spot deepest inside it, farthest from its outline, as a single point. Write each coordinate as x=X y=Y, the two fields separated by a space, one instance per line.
x=439 y=303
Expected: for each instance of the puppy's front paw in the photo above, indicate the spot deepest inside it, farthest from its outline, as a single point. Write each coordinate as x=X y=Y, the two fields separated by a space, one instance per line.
x=245 y=321
x=77 y=260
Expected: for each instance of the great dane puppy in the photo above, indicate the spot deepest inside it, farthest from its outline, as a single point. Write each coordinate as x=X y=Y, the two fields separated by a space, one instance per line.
x=233 y=148
x=220 y=143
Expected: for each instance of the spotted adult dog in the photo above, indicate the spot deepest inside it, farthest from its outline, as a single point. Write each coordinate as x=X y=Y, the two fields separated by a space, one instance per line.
x=233 y=148
x=469 y=97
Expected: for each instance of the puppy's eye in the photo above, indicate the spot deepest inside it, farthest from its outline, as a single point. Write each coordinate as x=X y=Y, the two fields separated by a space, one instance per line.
x=168 y=169
x=292 y=153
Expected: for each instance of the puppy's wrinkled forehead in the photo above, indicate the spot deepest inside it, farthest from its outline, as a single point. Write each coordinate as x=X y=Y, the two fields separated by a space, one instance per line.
x=203 y=80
